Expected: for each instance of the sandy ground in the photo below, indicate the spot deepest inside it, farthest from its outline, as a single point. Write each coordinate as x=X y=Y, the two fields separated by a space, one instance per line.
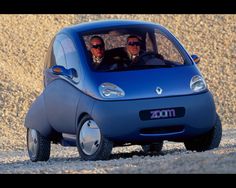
x=24 y=40
x=174 y=159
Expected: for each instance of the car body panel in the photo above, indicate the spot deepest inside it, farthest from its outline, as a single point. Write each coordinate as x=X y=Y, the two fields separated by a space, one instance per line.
x=142 y=84
x=61 y=101
x=124 y=123
x=37 y=117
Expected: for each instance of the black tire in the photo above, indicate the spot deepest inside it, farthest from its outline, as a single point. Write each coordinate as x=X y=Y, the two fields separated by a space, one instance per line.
x=42 y=146
x=103 y=150
x=153 y=148
x=207 y=141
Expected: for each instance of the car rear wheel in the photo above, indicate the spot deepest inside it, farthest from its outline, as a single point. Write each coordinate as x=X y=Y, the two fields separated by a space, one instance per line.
x=207 y=141
x=38 y=146
x=153 y=148
x=91 y=144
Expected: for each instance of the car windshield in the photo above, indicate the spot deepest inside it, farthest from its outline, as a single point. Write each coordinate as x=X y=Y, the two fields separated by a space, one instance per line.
x=133 y=48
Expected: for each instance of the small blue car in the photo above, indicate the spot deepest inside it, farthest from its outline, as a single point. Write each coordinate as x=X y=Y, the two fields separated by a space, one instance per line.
x=163 y=97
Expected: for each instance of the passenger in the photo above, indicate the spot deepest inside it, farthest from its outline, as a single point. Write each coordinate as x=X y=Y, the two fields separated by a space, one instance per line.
x=97 y=49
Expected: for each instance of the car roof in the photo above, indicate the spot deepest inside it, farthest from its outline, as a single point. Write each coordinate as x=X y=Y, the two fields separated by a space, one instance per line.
x=87 y=26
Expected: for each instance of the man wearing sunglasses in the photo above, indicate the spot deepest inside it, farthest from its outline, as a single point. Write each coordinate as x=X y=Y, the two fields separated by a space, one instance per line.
x=97 y=49
x=133 y=47
x=125 y=57
x=129 y=54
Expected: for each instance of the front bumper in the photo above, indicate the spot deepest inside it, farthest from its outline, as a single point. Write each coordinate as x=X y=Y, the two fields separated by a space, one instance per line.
x=120 y=121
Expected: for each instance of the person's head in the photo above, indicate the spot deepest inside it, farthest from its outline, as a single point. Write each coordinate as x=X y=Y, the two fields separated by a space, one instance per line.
x=133 y=45
x=97 y=46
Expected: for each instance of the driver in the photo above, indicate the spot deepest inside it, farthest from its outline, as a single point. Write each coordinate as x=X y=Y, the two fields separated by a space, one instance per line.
x=133 y=48
x=128 y=55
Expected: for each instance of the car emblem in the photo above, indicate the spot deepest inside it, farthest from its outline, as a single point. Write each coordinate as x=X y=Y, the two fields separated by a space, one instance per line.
x=158 y=90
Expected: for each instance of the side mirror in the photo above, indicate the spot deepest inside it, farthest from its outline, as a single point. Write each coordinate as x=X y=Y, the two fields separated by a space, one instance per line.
x=60 y=70
x=195 y=58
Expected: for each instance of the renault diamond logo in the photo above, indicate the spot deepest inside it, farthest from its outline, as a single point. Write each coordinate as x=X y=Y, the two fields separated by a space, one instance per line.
x=158 y=90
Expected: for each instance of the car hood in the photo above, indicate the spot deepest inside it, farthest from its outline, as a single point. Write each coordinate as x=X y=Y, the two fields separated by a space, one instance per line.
x=140 y=84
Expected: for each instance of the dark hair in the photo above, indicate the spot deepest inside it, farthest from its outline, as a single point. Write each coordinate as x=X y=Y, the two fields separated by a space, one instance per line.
x=97 y=37
x=133 y=36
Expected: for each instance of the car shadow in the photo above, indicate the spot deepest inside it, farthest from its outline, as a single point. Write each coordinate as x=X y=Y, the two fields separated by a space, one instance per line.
x=143 y=154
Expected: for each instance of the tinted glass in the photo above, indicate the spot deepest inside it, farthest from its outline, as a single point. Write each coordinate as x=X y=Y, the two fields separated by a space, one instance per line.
x=71 y=55
x=157 y=49
x=59 y=54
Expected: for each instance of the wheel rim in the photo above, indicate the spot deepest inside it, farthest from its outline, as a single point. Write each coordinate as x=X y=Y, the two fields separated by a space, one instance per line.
x=90 y=137
x=32 y=142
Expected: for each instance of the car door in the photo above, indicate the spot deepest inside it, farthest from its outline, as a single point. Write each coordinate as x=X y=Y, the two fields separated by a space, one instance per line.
x=61 y=95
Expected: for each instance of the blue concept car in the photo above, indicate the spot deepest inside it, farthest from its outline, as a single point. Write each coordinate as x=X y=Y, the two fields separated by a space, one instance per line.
x=162 y=96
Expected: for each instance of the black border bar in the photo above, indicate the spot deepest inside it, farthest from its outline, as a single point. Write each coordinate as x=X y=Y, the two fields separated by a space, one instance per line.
x=118 y=6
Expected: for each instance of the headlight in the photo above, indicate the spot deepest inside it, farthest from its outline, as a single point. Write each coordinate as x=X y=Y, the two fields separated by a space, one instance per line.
x=197 y=83
x=109 y=90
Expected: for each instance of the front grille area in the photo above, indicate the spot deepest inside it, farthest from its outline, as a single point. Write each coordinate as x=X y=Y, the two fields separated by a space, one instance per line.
x=162 y=113
x=162 y=130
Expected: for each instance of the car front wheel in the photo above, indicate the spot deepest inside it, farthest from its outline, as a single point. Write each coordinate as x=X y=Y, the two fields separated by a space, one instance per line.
x=38 y=146
x=207 y=141
x=91 y=144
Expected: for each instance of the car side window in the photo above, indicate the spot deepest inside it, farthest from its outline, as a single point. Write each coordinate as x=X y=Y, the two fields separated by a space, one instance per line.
x=71 y=55
x=59 y=54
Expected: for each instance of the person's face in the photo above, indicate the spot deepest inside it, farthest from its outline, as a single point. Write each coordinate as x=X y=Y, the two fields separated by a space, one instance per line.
x=97 y=48
x=133 y=46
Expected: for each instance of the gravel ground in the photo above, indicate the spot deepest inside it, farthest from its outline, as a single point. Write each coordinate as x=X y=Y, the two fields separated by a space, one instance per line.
x=24 y=40
x=124 y=160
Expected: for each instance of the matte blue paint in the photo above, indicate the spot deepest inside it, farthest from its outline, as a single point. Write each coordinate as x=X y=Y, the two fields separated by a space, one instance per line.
x=119 y=120
x=142 y=83
x=63 y=102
